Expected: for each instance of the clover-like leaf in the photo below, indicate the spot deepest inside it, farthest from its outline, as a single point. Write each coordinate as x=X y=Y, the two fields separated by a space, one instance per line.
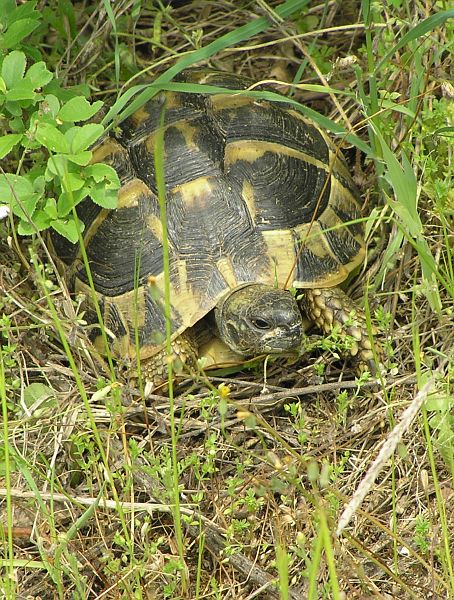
x=7 y=143
x=51 y=137
x=79 y=109
x=68 y=200
x=68 y=228
x=85 y=136
x=103 y=196
x=38 y=75
x=16 y=32
x=13 y=68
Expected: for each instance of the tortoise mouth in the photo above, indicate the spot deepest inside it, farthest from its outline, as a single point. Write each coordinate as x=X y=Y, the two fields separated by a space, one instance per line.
x=283 y=339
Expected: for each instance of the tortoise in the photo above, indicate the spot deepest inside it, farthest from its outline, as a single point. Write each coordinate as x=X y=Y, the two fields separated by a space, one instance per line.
x=259 y=202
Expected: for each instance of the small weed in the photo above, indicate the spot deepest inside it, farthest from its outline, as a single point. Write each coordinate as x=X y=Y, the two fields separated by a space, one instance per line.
x=422 y=534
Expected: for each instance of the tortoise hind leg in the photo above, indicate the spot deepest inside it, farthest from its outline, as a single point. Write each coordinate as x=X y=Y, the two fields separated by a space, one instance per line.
x=330 y=307
x=154 y=369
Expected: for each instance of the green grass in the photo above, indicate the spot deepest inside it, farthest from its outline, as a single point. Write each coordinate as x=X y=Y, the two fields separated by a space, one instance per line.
x=100 y=489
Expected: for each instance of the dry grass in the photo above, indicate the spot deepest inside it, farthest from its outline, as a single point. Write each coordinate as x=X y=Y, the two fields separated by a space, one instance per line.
x=258 y=473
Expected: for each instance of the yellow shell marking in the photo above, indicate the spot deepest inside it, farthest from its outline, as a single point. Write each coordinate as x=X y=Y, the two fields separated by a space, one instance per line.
x=248 y=197
x=281 y=250
x=225 y=267
x=228 y=101
x=244 y=150
x=197 y=192
x=130 y=192
x=154 y=223
x=106 y=149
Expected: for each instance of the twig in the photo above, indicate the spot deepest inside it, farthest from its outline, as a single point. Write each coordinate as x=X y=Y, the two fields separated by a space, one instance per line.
x=383 y=456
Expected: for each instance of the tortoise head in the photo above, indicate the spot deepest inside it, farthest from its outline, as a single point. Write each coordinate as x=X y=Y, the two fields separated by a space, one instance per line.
x=257 y=319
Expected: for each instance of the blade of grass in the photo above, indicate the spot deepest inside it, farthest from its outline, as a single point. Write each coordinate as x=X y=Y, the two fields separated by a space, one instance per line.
x=282 y=564
x=432 y=22
x=113 y=22
x=402 y=179
x=227 y=40
x=9 y=564
x=193 y=88
x=159 y=155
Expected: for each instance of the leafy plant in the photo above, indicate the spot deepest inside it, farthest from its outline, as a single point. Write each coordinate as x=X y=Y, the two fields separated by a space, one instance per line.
x=47 y=137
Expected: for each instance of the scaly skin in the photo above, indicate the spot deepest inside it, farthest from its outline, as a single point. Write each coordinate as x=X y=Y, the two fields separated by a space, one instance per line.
x=184 y=359
x=330 y=307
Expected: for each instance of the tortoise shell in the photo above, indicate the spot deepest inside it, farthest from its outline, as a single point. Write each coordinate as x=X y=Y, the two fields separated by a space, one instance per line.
x=255 y=192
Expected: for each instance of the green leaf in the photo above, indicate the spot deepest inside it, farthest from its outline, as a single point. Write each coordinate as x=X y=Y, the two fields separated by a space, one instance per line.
x=439 y=402
x=405 y=205
x=12 y=184
x=39 y=184
x=52 y=138
x=22 y=11
x=403 y=181
x=13 y=68
x=67 y=201
x=57 y=164
x=24 y=206
x=23 y=90
x=37 y=392
x=103 y=196
x=68 y=229
x=82 y=158
x=41 y=221
x=7 y=143
x=38 y=75
x=50 y=105
x=78 y=109
x=85 y=136
x=50 y=208
x=17 y=125
x=100 y=172
x=8 y=8
x=73 y=181
x=14 y=109
x=16 y=32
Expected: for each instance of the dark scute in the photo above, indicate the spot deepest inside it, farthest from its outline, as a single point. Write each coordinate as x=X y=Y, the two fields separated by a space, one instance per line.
x=210 y=228
x=153 y=331
x=272 y=123
x=190 y=107
x=114 y=322
x=230 y=81
x=343 y=245
x=356 y=229
x=64 y=249
x=287 y=190
x=183 y=162
x=92 y=319
x=123 y=244
x=310 y=267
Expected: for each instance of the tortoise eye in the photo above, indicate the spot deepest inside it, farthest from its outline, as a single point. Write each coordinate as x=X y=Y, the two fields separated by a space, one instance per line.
x=260 y=323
